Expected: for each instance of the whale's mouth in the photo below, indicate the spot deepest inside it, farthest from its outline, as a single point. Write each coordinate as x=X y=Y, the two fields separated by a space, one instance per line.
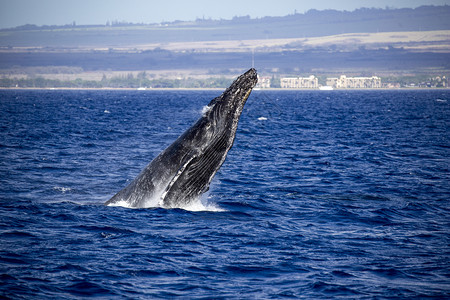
x=235 y=96
x=244 y=84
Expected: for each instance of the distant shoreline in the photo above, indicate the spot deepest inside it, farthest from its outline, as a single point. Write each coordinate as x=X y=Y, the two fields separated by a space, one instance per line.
x=222 y=89
x=108 y=89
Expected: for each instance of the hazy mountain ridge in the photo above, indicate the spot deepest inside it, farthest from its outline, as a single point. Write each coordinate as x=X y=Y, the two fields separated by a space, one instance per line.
x=313 y=23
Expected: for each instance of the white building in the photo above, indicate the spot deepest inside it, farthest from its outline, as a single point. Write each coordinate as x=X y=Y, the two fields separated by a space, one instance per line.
x=263 y=82
x=310 y=82
x=345 y=82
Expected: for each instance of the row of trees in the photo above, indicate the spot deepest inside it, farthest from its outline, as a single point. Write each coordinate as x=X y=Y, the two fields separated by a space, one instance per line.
x=128 y=81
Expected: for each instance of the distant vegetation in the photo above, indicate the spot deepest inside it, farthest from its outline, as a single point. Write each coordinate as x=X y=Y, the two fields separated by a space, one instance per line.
x=128 y=81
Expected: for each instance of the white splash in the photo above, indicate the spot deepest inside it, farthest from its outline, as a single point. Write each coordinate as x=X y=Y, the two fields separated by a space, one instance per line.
x=205 y=109
x=62 y=189
x=199 y=204
x=121 y=203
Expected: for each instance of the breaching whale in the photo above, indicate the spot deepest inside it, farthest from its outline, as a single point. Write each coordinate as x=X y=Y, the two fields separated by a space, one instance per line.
x=183 y=171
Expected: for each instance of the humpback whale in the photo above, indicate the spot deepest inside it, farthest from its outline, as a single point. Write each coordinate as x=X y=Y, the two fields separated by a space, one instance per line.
x=184 y=170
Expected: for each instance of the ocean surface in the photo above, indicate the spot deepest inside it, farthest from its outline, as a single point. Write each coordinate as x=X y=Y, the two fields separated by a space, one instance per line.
x=325 y=194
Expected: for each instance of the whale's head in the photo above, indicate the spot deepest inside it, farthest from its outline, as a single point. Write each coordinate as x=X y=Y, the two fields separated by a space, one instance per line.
x=223 y=112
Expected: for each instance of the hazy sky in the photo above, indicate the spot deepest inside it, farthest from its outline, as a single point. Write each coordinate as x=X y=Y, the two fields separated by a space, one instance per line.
x=60 y=12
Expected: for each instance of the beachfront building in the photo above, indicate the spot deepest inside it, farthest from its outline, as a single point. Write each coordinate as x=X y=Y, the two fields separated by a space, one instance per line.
x=345 y=82
x=263 y=82
x=310 y=82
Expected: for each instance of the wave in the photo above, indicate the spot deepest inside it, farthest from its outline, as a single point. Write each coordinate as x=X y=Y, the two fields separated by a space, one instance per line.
x=199 y=204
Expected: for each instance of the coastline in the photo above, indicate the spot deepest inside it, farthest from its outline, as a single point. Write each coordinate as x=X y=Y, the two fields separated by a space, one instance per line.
x=109 y=89
x=220 y=89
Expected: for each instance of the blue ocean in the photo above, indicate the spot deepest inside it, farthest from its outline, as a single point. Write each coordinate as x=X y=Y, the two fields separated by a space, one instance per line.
x=325 y=194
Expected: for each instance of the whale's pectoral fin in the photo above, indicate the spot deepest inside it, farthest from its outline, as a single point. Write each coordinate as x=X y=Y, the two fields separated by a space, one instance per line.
x=174 y=179
x=194 y=177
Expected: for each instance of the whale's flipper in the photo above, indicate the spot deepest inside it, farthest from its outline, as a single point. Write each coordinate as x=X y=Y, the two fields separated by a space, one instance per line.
x=196 y=173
